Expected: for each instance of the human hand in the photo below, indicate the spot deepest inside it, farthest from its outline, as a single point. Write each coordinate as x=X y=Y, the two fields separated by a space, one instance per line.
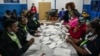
x=69 y=41
x=43 y=54
x=37 y=31
x=41 y=23
x=31 y=41
x=68 y=27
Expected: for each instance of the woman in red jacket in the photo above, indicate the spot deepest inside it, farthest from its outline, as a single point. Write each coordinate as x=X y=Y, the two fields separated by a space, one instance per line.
x=33 y=9
x=79 y=30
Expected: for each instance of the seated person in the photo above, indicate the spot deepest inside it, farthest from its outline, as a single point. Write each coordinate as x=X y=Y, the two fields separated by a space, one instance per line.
x=23 y=29
x=90 y=45
x=14 y=14
x=7 y=15
x=11 y=41
x=69 y=7
x=33 y=24
x=61 y=13
x=85 y=15
x=73 y=19
x=79 y=30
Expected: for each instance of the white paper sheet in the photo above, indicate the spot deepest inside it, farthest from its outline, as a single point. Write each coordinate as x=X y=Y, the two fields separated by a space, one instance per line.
x=34 y=47
x=29 y=36
x=52 y=45
x=59 y=42
x=55 y=37
x=62 y=52
x=64 y=45
x=45 y=39
x=46 y=42
x=62 y=21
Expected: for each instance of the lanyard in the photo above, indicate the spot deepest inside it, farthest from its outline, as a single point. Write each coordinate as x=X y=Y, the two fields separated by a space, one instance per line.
x=25 y=28
x=83 y=42
x=15 y=39
x=35 y=22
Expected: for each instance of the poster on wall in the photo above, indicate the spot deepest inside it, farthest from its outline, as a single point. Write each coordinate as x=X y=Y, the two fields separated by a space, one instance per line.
x=11 y=1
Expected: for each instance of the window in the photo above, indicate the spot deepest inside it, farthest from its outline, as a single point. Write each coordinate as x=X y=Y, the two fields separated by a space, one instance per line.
x=11 y=1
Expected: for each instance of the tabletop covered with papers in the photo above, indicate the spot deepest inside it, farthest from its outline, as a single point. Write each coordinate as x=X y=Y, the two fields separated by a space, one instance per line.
x=51 y=42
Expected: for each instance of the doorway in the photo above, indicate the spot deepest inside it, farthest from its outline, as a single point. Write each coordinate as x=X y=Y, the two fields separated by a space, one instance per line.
x=44 y=7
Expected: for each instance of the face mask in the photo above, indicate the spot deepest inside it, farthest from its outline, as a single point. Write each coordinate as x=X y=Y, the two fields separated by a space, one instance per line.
x=11 y=32
x=90 y=33
x=34 y=18
x=69 y=9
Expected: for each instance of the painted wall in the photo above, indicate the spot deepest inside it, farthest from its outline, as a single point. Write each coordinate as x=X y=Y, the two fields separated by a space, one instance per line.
x=23 y=1
x=59 y=3
x=1 y=2
x=87 y=6
x=78 y=3
x=87 y=2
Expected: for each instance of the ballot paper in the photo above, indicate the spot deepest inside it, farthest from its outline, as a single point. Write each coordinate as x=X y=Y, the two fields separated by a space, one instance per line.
x=64 y=45
x=46 y=42
x=34 y=47
x=55 y=37
x=62 y=21
x=41 y=37
x=52 y=45
x=59 y=42
x=29 y=36
x=46 y=39
x=62 y=52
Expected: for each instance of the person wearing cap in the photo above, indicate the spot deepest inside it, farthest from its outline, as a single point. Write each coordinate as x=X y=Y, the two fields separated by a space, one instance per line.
x=79 y=30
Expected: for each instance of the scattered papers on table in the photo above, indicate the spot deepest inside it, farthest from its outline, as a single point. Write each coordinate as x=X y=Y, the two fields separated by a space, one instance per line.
x=52 y=45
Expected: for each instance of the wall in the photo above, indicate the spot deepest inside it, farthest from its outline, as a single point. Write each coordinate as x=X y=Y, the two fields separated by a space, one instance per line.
x=1 y=1
x=59 y=3
x=78 y=3
x=87 y=6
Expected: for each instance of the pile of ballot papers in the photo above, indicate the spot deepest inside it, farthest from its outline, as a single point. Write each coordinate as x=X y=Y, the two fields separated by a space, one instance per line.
x=53 y=35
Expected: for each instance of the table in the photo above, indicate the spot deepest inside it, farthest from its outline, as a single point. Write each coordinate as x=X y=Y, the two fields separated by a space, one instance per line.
x=39 y=47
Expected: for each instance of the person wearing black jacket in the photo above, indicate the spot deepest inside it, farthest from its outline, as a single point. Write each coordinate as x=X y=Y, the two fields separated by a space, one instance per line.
x=7 y=15
x=23 y=27
x=33 y=24
x=70 y=7
x=11 y=43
